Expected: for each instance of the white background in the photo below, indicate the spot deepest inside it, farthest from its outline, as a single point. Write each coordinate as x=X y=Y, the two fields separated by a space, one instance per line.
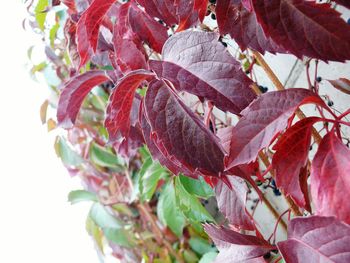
x=37 y=224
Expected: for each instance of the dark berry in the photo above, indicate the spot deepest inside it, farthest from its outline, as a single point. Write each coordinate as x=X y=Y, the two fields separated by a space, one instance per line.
x=247 y=72
x=212 y=1
x=348 y=21
x=274 y=251
x=330 y=103
x=206 y=202
x=263 y=89
x=267 y=255
x=213 y=16
x=276 y=192
x=318 y=79
x=310 y=148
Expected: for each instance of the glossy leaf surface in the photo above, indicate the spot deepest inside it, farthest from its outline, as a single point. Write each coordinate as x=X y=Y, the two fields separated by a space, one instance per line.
x=197 y=63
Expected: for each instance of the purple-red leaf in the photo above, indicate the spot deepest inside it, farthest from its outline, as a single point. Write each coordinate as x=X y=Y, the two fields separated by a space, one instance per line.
x=234 y=19
x=316 y=239
x=264 y=118
x=88 y=28
x=305 y=28
x=179 y=134
x=235 y=247
x=231 y=202
x=330 y=178
x=120 y=104
x=341 y=84
x=197 y=63
x=291 y=156
x=185 y=13
x=73 y=94
x=129 y=53
x=149 y=30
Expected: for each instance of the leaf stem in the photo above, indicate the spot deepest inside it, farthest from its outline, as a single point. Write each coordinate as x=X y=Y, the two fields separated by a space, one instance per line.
x=279 y=86
x=144 y=208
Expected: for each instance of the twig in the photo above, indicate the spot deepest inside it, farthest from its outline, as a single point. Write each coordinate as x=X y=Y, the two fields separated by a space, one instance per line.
x=144 y=208
x=272 y=76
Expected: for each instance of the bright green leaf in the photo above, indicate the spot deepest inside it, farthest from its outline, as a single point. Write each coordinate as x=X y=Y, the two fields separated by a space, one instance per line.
x=200 y=245
x=53 y=32
x=197 y=187
x=190 y=205
x=95 y=232
x=150 y=172
x=190 y=257
x=103 y=218
x=66 y=153
x=80 y=196
x=208 y=257
x=104 y=157
x=167 y=211
x=120 y=237
x=40 y=13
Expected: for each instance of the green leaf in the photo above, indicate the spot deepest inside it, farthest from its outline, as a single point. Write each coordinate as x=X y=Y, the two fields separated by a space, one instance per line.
x=168 y=213
x=104 y=157
x=80 y=196
x=197 y=187
x=99 y=98
x=200 y=245
x=103 y=218
x=120 y=237
x=150 y=172
x=40 y=13
x=53 y=32
x=66 y=153
x=95 y=232
x=208 y=257
x=190 y=257
x=190 y=205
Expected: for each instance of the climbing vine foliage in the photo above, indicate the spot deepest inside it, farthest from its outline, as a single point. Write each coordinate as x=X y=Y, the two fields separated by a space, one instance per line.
x=183 y=155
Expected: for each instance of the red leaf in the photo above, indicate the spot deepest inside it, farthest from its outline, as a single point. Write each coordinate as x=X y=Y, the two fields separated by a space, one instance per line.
x=148 y=30
x=180 y=135
x=88 y=28
x=186 y=13
x=197 y=63
x=291 y=156
x=129 y=52
x=70 y=4
x=242 y=25
x=235 y=247
x=264 y=118
x=231 y=202
x=316 y=239
x=73 y=94
x=341 y=84
x=120 y=104
x=305 y=28
x=156 y=153
x=330 y=180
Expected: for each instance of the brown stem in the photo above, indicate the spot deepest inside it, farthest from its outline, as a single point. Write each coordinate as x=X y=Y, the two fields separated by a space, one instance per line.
x=145 y=209
x=279 y=86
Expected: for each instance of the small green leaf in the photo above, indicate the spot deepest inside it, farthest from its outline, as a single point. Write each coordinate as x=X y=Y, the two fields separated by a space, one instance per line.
x=80 y=196
x=151 y=172
x=53 y=32
x=208 y=257
x=190 y=205
x=190 y=257
x=41 y=12
x=200 y=245
x=103 y=157
x=168 y=213
x=103 y=218
x=66 y=153
x=197 y=187
x=95 y=232
x=120 y=237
